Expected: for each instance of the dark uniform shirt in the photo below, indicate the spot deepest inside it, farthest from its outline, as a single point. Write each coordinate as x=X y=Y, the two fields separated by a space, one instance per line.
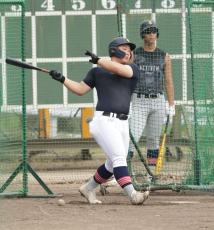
x=114 y=92
x=151 y=65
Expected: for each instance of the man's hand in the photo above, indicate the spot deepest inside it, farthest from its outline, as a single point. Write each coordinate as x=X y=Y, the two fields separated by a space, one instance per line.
x=57 y=76
x=171 y=112
x=94 y=58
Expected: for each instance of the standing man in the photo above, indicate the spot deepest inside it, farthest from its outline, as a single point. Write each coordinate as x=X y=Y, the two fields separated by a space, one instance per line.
x=148 y=101
x=114 y=80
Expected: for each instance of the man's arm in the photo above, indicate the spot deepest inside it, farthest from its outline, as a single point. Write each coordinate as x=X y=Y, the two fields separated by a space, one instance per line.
x=79 y=88
x=115 y=67
x=111 y=66
x=169 y=80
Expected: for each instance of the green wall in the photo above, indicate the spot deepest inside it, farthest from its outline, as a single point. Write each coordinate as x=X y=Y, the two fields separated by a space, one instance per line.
x=57 y=42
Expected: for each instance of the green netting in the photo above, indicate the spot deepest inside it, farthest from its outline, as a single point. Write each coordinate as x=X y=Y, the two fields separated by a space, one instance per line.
x=201 y=35
x=188 y=38
x=58 y=149
x=14 y=167
x=11 y=117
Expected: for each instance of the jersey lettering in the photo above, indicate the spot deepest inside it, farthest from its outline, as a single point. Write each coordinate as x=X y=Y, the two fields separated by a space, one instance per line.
x=150 y=68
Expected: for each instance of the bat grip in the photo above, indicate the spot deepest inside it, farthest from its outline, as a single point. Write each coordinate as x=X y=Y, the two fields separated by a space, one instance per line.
x=45 y=70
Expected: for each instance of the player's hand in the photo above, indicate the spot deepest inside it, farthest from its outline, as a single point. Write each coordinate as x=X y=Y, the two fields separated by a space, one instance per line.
x=94 y=58
x=171 y=112
x=56 y=75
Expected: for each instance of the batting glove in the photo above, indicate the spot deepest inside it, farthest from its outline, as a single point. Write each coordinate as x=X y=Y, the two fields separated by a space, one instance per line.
x=171 y=112
x=94 y=58
x=57 y=76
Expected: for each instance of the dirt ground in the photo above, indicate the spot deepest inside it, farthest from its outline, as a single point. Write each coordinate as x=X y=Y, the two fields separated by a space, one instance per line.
x=164 y=210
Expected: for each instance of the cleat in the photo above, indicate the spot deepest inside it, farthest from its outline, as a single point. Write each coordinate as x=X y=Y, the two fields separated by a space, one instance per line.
x=152 y=161
x=103 y=190
x=179 y=153
x=111 y=182
x=89 y=195
x=138 y=198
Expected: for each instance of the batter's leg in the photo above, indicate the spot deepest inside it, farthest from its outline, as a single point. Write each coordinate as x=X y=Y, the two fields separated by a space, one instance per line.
x=103 y=173
x=112 y=135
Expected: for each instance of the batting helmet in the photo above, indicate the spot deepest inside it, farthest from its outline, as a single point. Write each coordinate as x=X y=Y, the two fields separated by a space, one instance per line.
x=113 y=47
x=146 y=25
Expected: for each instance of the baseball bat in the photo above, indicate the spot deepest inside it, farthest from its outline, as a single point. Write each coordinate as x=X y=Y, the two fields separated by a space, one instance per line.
x=12 y=61
x=159 y=164
x=141 y=156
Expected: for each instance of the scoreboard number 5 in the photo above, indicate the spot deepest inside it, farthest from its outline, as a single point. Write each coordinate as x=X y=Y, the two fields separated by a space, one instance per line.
x=78 y=4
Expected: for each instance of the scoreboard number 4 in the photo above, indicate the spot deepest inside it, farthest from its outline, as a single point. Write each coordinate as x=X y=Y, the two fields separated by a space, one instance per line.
x=48 y=5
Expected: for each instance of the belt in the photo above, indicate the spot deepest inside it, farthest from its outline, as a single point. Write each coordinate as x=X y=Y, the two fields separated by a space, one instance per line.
x=148 y=95
x=120 y=116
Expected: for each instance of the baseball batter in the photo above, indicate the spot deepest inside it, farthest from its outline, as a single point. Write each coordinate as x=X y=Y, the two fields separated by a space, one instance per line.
x=148 y=101
x=114 y=80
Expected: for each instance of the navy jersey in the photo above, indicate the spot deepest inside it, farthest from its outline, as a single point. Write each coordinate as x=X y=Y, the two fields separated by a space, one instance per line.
x=151 y=66
x=113 y=91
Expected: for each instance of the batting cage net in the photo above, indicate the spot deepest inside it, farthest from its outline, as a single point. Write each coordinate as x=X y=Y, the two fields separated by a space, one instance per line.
x=12 y=100
x=201 y=38
x=187 y=140
x=44 y=133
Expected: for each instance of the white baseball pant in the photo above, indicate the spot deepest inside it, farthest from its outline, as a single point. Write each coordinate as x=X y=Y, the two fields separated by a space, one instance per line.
x=112 y=134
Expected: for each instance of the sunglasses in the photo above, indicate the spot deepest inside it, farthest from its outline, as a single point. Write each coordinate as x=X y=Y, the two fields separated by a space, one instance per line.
x=153 y=30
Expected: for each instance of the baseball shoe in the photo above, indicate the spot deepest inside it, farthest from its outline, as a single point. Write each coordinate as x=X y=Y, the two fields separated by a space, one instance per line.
x=179 y=153
x=90 y=195
x=103 y=190
x=168 y=154
x=152 y=161
x=111 y=182
x=138 y=198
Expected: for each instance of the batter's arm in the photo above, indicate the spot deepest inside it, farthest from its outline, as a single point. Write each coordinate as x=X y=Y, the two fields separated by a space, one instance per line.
x=169 y=86
x=79 y=88
x=115 y=67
